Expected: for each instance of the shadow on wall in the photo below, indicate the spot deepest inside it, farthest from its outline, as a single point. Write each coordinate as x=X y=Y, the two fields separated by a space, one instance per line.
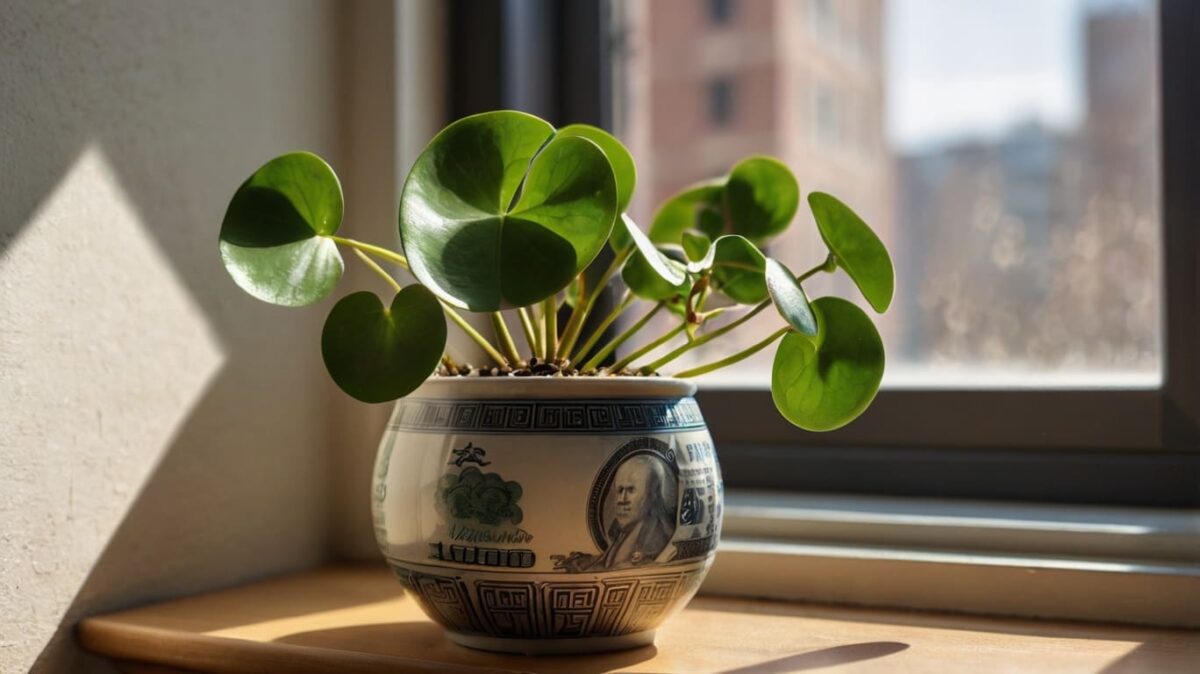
x=162 y=432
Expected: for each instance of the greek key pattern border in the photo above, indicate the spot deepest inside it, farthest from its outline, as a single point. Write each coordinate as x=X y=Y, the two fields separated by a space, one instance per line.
x=549 y=610
x=556 y=416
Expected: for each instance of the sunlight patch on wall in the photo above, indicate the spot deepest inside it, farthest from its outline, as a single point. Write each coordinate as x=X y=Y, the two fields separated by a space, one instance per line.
x=104 y=354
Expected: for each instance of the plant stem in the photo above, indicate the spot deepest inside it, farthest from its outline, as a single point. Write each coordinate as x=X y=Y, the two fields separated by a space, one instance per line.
x=573 y=323
x=620 y=364
x=374 y=266
x=829 y=265
x=539 y=329
x=473 y=334
x=571 y=336
x=450 y=312
x=621 y=339
x=626 y=301
x=704 y=339
x=372 y=249
x=531 y=335
x=737 y=357
x=505 y=337
x=550 y=323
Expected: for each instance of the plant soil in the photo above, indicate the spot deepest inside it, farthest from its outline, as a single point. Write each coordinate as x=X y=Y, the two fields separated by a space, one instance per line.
x=534 y=368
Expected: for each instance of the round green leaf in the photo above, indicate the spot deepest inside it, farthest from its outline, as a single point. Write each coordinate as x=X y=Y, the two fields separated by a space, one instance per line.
x=710 y=220
x=619 y=240
x=378 y=354
x=681 y=212
x=670 y=271
x=857 y=249
x=789 y=298
x=571 y=296
x=618 y=155
x=761 y=198
x=824 y=383
x=273 y=239
x=646 y=281
x=696 y=245
x=465 y=239
x=738 y=269
x=700 y=252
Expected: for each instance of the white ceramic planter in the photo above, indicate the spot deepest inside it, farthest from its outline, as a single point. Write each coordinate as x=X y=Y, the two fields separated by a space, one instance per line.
x=541 y=515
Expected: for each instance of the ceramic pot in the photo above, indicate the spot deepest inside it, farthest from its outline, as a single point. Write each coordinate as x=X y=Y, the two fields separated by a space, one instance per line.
x=548 y=515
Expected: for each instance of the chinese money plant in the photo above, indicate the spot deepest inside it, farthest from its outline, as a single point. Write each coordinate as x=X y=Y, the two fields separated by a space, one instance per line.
x=504 y=213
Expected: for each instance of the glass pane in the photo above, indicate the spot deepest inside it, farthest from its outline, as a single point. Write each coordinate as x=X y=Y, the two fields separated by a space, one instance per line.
x=1005 y=150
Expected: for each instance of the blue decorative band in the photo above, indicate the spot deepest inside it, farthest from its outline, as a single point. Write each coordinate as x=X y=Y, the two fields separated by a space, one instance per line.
x=548 y=416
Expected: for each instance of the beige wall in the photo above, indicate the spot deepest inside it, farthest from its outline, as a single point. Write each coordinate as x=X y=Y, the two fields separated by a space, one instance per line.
x=160 y=432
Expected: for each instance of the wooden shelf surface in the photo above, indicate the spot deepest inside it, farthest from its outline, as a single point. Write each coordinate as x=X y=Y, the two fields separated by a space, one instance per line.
x=357 y=619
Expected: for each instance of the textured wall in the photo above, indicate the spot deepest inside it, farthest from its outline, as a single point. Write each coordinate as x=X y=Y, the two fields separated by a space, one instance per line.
x=160 y=432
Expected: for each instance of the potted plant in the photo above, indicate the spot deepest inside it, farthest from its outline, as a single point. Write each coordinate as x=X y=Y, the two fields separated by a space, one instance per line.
x=562 y=497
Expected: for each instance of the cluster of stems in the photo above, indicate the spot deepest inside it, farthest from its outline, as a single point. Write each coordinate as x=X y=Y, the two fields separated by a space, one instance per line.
x=544 y=341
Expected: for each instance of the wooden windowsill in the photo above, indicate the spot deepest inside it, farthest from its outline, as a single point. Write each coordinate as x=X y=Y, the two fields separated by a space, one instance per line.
x=357 y=619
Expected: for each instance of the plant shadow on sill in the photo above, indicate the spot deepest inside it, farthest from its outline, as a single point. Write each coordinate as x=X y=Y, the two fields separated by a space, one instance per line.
x=427 y=641
x=825 y=657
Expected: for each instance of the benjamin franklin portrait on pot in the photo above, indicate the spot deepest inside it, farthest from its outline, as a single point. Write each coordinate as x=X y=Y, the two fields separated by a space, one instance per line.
x=639 y=513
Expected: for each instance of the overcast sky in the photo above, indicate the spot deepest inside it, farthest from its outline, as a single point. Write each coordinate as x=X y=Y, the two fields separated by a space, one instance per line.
x=961 y=68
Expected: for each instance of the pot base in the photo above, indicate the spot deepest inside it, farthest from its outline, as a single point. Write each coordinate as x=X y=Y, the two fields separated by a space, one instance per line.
x=553 y=646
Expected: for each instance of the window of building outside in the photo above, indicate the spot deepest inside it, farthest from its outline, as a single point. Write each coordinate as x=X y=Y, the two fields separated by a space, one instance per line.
x=825 y=115
x=1007 y=152
x=720 y=11
x=720 y=102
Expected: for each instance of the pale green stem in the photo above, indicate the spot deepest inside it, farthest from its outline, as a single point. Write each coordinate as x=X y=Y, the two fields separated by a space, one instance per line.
x=372 y=249
x=705 y=338
x=572 y=327
x=621 y=339
x=505 y=337
x=620 y=364
x=735 y=358
x=550 y=324
x=829 y=265
x=531 y=335
x=374 y=266
x=539 y=326
x=450 y=312
x=474 y=334
x=626 y=301
x=572 y=335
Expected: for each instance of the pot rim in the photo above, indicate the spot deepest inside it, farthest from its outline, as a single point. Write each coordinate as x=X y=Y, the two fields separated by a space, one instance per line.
x=554 y=387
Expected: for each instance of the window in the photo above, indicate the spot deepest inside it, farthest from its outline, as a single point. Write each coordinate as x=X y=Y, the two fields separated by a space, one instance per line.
x=1011 y=176
x=821 y=17
x=825 y=116
x=1009 y=154
x=720 y=102
x=1018 y=189
x=720 y=11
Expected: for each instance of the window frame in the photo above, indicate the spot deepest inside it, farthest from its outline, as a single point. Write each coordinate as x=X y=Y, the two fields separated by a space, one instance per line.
x=1138 y=447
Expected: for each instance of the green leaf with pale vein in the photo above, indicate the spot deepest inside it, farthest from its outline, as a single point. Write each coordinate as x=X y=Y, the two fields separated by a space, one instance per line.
x=471 y=245
x=857 y=249
x=274 y=238
x=378 y=353
x=823 y=383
